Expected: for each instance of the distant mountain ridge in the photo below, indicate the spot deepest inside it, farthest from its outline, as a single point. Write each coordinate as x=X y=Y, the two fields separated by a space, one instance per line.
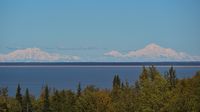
x=197 y=63
x=150 y=53
x=154 y=52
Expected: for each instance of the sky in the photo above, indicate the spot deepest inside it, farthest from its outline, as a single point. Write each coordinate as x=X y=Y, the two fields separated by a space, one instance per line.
x=91 y=30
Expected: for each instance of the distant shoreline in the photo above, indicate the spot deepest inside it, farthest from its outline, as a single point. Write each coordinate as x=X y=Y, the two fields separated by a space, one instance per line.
x=38 y=66
x=98 y=64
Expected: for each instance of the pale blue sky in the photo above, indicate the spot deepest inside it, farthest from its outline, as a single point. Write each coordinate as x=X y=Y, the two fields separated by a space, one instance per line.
x=91 y=27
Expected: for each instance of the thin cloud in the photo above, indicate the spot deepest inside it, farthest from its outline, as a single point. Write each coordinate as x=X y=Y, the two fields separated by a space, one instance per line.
x=154 y=52
x=35 y=55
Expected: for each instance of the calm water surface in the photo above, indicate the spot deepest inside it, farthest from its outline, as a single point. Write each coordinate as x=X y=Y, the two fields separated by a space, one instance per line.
x=68 y=77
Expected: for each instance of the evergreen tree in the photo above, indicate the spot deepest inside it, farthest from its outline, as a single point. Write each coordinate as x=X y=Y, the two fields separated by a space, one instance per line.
x=46 y=103
x=152 y=94
x=115 y=93
x=153 y=72
x=116 y=82
x=144 y=77
x=27 y=106
x=171 y=77
x=126 y=84
x=94 y=101
x=18 y=95
x=56 y=101
x=4 y=99
x=63 y=101
x=187 y=97
x=79 y=90
x=70 y=101
x=144 y=74
x=122 y=86
x=13 y=105
x=4 y=93
x=137 y=86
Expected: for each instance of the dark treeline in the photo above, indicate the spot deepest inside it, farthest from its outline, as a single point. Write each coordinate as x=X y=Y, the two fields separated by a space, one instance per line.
x=152 y=92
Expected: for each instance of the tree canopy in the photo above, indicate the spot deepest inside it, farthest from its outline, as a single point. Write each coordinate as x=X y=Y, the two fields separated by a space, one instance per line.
x=152 y=92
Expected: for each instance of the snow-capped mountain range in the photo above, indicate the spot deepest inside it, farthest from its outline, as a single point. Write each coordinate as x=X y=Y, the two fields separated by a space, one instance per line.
x=155 y=52
x=151 y=52
x=35 y=54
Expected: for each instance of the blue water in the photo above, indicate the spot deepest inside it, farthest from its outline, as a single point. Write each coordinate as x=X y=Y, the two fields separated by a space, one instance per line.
x=67 y=77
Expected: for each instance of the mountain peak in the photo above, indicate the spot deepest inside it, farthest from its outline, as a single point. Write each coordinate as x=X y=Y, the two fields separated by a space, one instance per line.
x=35 y=54
x=154 y=52
x=152 y=46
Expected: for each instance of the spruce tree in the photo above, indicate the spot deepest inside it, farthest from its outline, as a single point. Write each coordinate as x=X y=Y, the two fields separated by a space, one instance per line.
x=27 y=106
x=79 y=90
x=4 y=99
x=127 y=84
x=56 y=101
x=19 y=95
x=116 y=82
x=116 y=88
x=122 y=86
x=153 y=72
x=144 y=75
x=171 y=77
x=46 y=103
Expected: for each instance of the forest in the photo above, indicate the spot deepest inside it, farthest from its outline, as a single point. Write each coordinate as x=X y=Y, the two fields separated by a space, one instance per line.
x=152 y=92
